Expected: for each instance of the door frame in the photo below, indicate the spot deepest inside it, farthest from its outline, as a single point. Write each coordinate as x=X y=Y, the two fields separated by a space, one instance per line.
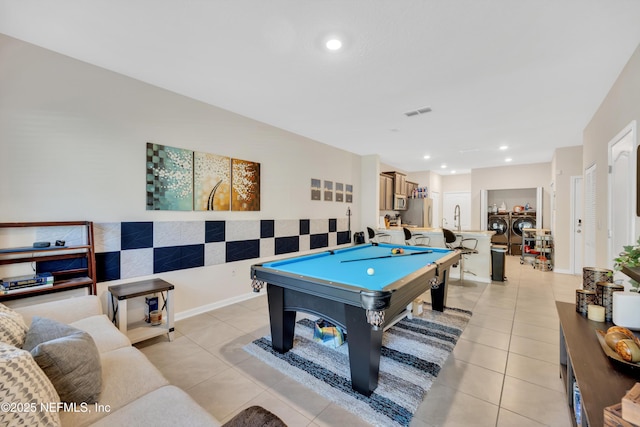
x=572 y=228
x=629 y=129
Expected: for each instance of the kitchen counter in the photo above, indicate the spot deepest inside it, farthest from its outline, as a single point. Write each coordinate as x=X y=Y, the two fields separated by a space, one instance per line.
x=479 y=263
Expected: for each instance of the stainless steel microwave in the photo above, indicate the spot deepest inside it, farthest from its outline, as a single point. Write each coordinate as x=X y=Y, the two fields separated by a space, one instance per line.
x=399 y=202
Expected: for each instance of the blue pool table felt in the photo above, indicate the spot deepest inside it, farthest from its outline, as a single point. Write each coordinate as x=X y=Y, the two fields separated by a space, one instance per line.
x=337 y=266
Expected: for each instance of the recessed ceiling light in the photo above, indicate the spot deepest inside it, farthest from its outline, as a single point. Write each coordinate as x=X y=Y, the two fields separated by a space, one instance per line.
x=443 y=166
x=427 y=157
x=334 y=44
x=452 y=172
x=504 y=147
x=508 y=159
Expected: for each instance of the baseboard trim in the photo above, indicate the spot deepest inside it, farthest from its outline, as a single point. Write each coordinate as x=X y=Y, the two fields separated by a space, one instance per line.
x=213 y=306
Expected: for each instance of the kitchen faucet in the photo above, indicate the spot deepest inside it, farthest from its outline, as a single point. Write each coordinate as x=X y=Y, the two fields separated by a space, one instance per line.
x=456 y=216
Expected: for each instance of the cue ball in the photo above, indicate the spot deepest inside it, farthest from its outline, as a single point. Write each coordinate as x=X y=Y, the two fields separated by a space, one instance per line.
x=370 y=271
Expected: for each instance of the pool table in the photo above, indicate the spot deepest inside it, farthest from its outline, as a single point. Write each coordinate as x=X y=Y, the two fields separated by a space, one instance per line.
x=339 y=286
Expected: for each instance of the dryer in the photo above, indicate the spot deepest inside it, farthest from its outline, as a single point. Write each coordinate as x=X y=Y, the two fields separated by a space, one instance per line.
x=501 y=224
x=520 y=220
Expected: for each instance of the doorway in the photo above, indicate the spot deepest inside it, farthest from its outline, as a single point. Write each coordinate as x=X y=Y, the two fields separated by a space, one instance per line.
x=577 y=214
x=449 y=202
x=622 y=192
x=589 y=222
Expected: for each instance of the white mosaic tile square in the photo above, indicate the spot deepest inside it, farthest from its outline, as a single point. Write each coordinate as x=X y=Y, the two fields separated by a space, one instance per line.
x=342 y=224
x=136 y=262
x=286 y=227
x=166 y=233
x=267 y=247
x=305 y=242
x=215 y=253
x=333 y=239
x=107 y=236
x=242 y=230
x=319 y=226
x=192 y=232
x=72 y=235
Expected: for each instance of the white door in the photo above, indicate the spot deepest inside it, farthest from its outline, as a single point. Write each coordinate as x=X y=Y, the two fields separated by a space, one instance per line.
x=622 y=192
x=449 y=202
x=589 y=223
x=435 y=221
x=577 y=215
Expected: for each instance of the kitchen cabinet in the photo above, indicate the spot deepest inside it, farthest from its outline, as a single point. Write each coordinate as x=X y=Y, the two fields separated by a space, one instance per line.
x=411 y=187
x=399 y=182
x=386 y=193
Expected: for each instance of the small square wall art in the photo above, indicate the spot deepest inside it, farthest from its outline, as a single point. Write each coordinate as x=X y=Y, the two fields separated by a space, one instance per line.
x=316 y=189
x=328 y=191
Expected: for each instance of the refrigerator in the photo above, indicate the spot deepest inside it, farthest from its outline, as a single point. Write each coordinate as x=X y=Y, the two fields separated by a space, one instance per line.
x=419 y=213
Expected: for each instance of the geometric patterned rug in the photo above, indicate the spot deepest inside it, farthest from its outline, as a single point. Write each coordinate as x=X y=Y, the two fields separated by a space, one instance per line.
x=413 y=351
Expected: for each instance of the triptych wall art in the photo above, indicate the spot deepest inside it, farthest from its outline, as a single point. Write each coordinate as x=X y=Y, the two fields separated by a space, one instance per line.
x=325 y=191
x=185 y=180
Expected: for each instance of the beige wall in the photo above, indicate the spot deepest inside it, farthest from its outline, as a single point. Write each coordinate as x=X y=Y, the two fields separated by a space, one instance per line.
x=620 y=107
x=73 y=147
x=567 y=162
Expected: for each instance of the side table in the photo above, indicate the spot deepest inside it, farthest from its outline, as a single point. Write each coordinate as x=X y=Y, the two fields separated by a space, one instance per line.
x=140 y=331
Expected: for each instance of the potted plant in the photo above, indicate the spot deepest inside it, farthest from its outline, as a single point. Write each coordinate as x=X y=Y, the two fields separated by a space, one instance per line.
x=629 y=258
x=625 y=304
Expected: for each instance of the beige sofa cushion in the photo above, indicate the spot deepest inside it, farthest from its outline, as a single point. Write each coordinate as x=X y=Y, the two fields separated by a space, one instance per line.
x=23 y=383
x=126 y=375
x=106 y=336
x=167 y=406
x=13 y=329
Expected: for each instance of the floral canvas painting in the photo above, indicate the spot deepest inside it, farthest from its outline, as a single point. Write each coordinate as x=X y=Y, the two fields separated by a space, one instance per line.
x=245 y=185
x=169 y=178
x=211 y=182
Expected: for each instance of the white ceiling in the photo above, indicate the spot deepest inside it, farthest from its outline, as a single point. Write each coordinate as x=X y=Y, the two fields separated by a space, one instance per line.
x=526 y=73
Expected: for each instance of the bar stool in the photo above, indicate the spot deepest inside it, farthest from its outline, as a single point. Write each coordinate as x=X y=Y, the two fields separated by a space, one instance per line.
x=450 y=240
x=415 y=239
x=375 y=237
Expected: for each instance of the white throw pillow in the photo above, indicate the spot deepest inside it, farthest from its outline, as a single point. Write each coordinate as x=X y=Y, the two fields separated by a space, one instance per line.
x=25 y=388
x=12 y=327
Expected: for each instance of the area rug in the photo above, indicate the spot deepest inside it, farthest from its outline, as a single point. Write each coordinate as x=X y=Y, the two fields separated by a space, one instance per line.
x=413 y=351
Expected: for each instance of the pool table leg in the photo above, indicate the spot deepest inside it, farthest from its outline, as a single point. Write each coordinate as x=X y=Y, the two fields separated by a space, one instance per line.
x=283 y=322
x=439 y=294
x=364 y=350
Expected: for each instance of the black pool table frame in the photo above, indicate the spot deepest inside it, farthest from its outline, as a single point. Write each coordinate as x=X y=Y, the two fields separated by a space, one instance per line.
x=360 y=311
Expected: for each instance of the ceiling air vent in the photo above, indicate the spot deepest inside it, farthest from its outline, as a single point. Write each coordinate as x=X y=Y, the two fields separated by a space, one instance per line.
x=421 y=110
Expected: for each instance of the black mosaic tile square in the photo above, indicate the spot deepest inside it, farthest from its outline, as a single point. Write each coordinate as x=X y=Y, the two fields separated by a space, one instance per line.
x=136 y=235
x=242 y=249
x=344 y=237
x=167 y=259
x=267 y=228
x=214 y=231
x=319 y=241
x=285 y=245
x=108 y=266
x=192 y=256
x=304 y=226
x=333 y=225
x=62 y=264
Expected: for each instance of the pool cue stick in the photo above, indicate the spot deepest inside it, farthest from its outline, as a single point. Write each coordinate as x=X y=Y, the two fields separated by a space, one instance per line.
x=387 y=256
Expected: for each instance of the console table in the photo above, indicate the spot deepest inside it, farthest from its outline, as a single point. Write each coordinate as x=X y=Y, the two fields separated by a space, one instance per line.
x=601 y=383
x=139 y=331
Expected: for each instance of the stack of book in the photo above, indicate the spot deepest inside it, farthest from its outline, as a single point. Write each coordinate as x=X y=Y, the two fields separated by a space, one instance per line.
x=29 y=282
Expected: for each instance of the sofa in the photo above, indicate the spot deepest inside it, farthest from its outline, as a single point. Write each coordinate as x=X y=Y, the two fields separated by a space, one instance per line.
x=112 y=382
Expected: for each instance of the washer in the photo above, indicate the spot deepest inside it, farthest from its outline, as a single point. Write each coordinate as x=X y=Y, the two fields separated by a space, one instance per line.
x=501 y=224
x=520 y=220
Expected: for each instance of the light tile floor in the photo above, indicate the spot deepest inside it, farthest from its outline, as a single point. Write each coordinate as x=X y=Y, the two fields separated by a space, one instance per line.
x=503 y=372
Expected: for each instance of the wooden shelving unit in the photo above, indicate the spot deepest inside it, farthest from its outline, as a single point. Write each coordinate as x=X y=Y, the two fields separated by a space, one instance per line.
x=64 y=278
